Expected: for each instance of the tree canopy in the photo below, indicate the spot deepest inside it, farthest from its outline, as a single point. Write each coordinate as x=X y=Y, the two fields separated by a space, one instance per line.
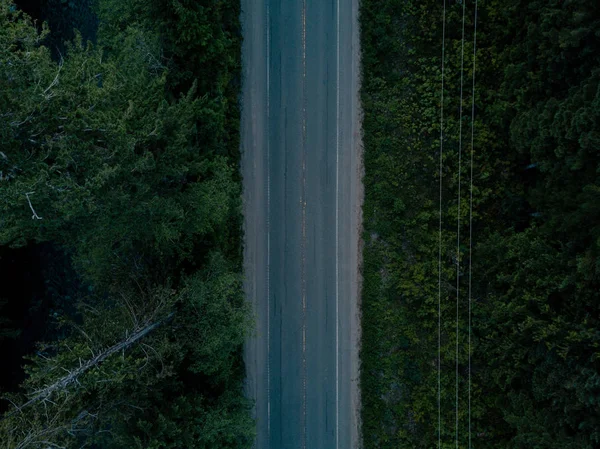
x=535 y=262
x=122 y=153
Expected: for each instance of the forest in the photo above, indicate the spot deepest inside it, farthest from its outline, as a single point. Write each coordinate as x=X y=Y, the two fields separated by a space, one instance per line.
x=123 y=315
x=522 y=369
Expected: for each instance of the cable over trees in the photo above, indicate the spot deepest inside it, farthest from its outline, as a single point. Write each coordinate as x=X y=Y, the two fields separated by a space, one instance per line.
x=535 y=284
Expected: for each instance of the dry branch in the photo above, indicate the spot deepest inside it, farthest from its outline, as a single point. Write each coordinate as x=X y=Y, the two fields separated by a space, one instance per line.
x=73 y=376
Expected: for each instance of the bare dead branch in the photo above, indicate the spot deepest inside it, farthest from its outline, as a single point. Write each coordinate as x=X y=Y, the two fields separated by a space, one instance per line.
x=132 y=313
x=73 y=375
x=17 y=124
x=34 y=216
x=158 y=357
x=54 y=82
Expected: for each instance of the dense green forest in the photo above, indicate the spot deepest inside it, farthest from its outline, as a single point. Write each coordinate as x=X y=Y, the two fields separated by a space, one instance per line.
x=120 y=225
x=535 y=285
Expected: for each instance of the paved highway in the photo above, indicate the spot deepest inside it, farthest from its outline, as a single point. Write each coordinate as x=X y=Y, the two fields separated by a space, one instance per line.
x=302 y=193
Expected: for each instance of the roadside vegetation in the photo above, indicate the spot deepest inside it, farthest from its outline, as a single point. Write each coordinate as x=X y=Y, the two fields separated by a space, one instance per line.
x=535 y=234
x=120 y=225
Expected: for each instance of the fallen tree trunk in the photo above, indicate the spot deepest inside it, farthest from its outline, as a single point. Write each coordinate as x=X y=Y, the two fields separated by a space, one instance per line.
x=72 y=377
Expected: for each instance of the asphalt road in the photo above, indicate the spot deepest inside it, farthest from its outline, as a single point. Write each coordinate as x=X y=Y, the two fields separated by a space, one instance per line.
x=302 y=193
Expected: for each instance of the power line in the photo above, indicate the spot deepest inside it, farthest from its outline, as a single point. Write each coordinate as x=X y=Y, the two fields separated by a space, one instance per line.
x=471 y=208
x=458 y=209
x=440 y=238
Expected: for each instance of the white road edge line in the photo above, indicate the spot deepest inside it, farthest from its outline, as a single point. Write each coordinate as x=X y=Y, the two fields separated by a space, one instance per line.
x=303 y=204
x=268 y=32
x=337 y=302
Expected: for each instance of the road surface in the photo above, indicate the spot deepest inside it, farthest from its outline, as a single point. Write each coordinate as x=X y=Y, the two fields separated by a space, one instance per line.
x=302 y=193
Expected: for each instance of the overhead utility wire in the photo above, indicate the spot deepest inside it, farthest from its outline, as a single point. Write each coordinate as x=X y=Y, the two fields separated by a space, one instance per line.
x=440 y=237
x=462 y=54
x=471 y=207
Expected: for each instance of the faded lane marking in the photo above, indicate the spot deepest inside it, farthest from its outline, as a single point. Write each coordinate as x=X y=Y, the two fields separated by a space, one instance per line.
x=303 y=204
x=337 y=299
x=268 y=33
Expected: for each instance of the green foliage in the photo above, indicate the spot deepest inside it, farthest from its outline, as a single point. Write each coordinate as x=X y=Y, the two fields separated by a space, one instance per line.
x=192 y=421
x=129 y=164
x=200 y=42
x=217 y=318
x=535 y=235
x=112 y=155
